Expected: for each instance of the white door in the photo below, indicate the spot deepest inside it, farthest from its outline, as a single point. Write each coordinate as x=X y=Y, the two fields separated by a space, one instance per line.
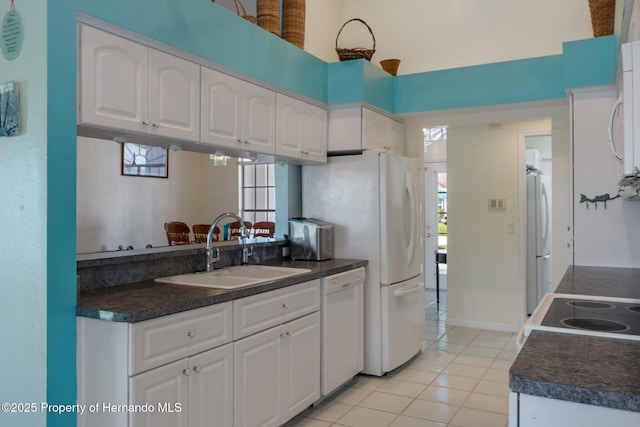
x=300 y=382
x=163 y=388
x=211 y=387
x=221 y=109
x=401 y=245
x=403 y=322
x=174 y=96
x=114 y=81
x=259 y=119
x=316 y=134
x=257 y=387
x=290 y=124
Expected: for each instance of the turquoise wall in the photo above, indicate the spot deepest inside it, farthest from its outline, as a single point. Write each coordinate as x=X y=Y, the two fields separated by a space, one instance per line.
x=209 y=31
x=61 y=210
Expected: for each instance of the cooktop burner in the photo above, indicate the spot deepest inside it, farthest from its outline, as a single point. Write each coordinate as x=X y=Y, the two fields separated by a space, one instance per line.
x=589 y=315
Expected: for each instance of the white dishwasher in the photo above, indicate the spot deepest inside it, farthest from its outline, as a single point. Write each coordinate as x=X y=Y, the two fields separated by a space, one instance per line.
x=342 y=314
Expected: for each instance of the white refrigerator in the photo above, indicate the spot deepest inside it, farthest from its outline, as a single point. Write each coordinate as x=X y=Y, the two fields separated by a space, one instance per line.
x=372 y=199
x=538 y=220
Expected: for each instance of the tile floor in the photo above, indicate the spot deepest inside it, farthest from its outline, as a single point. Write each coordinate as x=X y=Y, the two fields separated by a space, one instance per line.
x=460 y=381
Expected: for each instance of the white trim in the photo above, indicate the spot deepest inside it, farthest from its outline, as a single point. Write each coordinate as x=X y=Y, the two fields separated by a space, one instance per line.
x=504 y=327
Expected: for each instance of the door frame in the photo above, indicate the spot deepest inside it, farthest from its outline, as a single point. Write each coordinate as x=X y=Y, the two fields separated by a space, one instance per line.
x=431 y=170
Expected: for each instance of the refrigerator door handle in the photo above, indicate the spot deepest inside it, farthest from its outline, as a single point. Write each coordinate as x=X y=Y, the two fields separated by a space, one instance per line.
x=411 y=191
x=405 y=292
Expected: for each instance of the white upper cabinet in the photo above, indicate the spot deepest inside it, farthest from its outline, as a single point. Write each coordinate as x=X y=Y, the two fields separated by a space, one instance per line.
x=353 y=129
x=174 y=96
x=301 y=130
x=128 y=86
x=237 y=114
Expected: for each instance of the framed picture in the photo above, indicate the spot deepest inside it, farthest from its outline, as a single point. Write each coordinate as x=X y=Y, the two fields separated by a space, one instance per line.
x=145 y=160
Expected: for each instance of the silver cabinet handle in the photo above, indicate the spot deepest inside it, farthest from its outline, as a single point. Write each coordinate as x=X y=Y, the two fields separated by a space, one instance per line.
x=191 y=334
x=145 y=122
x=186 y=372
x=156 y=125
x=198 y=369
x=284 y=306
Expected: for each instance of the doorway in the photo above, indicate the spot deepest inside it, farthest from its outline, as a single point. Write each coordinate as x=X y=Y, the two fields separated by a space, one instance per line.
x=436 y=235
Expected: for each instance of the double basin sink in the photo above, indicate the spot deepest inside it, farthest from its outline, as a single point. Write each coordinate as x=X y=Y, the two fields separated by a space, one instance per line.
x=238 y=276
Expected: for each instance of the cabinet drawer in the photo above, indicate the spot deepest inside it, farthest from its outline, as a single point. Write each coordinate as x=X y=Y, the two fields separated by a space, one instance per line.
x=159 y=341
x=259 y=312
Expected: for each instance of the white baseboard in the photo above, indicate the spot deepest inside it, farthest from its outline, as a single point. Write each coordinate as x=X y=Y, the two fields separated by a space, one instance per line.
x=504 y=327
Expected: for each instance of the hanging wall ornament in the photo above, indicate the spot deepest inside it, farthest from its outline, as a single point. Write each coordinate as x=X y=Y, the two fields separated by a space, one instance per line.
x=11 y=34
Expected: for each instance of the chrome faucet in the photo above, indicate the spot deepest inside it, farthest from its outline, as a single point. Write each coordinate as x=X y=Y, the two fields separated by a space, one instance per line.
x=211 y=259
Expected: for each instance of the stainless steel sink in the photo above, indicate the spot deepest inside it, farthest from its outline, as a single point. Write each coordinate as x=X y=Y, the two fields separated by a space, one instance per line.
x=233 y=277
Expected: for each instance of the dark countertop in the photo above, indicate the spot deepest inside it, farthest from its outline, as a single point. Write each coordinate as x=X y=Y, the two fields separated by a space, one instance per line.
x=146 y=300
x=601 y=281
x=579 y=368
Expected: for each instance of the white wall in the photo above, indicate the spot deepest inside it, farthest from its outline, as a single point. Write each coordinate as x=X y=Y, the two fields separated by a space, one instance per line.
x=431 y=35
x=603 y=237
x=485 y=276
x=23 y=254
x=118 y=210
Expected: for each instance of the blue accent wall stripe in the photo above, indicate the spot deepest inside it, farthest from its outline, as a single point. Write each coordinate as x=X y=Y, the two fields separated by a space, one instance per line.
x=61 y=211
x=492 y=84
x=590 y=62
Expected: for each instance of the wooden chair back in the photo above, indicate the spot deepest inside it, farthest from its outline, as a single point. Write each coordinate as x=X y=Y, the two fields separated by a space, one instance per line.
x=177 y=233
x=200 y=233
x=264 y=229
x=234 y=229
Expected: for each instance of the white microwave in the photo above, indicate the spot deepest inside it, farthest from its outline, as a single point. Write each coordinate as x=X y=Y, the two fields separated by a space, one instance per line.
x=627 y=106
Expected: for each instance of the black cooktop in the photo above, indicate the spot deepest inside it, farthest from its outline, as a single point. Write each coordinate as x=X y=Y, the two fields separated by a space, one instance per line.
x=601 y=316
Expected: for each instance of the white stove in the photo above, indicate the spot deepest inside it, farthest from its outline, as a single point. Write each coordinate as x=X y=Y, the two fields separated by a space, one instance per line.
x=608 y=317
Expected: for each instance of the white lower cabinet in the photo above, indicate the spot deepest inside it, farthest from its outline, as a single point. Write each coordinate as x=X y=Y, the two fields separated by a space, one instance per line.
x=191 y=370
x=196 y=392
x=175 y=370
x=277 y=372
x=533 y=411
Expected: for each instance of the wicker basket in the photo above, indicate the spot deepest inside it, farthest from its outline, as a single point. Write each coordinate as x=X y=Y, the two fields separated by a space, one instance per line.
x=293 y=21
x=240 y=10
x=357 y=52
x=390 y=66
x=602 y=16
x=268 y=12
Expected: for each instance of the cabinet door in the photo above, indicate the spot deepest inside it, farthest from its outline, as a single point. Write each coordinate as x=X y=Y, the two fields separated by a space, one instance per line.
x=221 y=109
x=174 y=96
x=397 y=137
x=375 y=132
x=301 y=130
x=316 y=134
x=300 y=365
x=257 y=386
x=290 y=127
x=259 y=119
x=114 y=81
x=166 y=390
x=211 y=388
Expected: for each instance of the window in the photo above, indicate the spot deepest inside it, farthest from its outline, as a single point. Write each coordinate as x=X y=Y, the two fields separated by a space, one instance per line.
x=437 y=133
x=257 y=192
